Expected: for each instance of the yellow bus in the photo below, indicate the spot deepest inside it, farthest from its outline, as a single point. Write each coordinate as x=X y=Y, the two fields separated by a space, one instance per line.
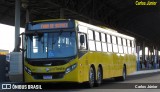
x=73 y=51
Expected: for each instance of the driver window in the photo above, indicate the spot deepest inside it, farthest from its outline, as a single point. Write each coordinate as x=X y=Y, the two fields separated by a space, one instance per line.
x=82 y=46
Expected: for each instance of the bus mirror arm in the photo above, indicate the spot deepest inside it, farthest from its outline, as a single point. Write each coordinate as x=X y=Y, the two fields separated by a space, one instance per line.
x=23 y=50
x=17 y=47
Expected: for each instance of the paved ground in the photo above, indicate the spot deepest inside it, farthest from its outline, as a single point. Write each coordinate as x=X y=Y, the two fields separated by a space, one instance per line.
x=145 y=78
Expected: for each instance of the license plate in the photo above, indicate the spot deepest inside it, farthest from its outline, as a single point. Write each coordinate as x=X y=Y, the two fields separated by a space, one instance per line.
x=48 y=77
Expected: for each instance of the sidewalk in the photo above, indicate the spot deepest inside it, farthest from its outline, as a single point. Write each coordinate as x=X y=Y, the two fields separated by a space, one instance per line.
x=145 y=71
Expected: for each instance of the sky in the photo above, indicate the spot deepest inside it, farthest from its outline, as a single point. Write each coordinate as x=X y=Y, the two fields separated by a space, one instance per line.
x=7 y=37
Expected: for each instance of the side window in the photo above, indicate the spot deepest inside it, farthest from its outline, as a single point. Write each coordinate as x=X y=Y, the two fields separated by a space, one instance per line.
x=91 y=40
x=104 y=44
x=119 y=41
x=108 y=38
x=120 y=47
x=114 y=41
x=124 y=42
x=109 y=43
x=92 y=45
x=133 y=48
x=98 y=43
x=129 y=46
x=97 y=36
x=128 y=43
x=103 y=37
x=90 y=34
x=125 y=46
x=132 y=43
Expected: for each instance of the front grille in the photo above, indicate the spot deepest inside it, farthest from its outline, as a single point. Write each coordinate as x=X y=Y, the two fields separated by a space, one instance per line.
x=54 y=75
x=47 y=63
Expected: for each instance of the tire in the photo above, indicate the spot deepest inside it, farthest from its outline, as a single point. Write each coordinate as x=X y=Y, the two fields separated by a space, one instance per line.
x=91 y=82
x=123 y=77
x=99 y=77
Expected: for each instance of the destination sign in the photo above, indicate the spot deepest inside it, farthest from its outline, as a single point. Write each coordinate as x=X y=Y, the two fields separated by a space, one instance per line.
x=56 y=25
x=51 y=25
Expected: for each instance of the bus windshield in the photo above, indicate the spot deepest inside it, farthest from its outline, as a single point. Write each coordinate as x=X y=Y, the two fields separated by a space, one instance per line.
x=51 y=45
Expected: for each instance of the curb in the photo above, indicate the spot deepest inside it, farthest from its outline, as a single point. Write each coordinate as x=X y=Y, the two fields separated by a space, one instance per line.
x=145 y=72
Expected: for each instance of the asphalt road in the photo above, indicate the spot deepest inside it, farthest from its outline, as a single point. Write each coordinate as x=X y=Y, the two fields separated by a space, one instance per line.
x=110 y=85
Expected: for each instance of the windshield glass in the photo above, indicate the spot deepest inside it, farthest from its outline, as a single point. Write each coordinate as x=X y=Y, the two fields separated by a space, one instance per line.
x=51 y=45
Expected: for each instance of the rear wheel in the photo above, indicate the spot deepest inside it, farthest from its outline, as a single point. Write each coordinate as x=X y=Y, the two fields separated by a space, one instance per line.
x=99 y=77
x=123 y=77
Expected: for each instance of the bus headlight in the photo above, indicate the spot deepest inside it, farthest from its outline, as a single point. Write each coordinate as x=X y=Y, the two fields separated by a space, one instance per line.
x=72 y=67
x=28 y=70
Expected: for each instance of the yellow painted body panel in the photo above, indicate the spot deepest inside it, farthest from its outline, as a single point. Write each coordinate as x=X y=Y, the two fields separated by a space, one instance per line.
x=112 y=65
x=53 y=69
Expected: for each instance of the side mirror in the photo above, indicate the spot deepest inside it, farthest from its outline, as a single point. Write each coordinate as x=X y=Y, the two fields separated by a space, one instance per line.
x=17 y=48
x=81 y=39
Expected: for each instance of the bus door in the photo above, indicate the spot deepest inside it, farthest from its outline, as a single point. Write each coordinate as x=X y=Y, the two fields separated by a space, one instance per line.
x=83 y=58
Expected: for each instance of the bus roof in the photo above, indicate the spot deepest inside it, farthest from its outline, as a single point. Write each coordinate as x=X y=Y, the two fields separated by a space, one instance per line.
x=92 y=27
x=104 y=30
x=50 y=20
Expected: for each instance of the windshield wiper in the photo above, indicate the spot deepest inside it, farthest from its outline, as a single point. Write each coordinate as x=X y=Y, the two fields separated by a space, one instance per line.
x=71 y=33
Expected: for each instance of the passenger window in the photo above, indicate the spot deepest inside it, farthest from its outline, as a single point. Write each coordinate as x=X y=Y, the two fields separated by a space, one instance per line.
x=103 y=37
x=109 y=47
x=129 y=50
x=104 y=47
x=124 y=42
x=119 y=41
x=98 y=46
x=108 y=38
x=133 y=49
x=132 y=44
x=128 y=43
x=120 y=47
x=97 y=36
x=114 y=40
x=90 y=33
x=92 y=45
